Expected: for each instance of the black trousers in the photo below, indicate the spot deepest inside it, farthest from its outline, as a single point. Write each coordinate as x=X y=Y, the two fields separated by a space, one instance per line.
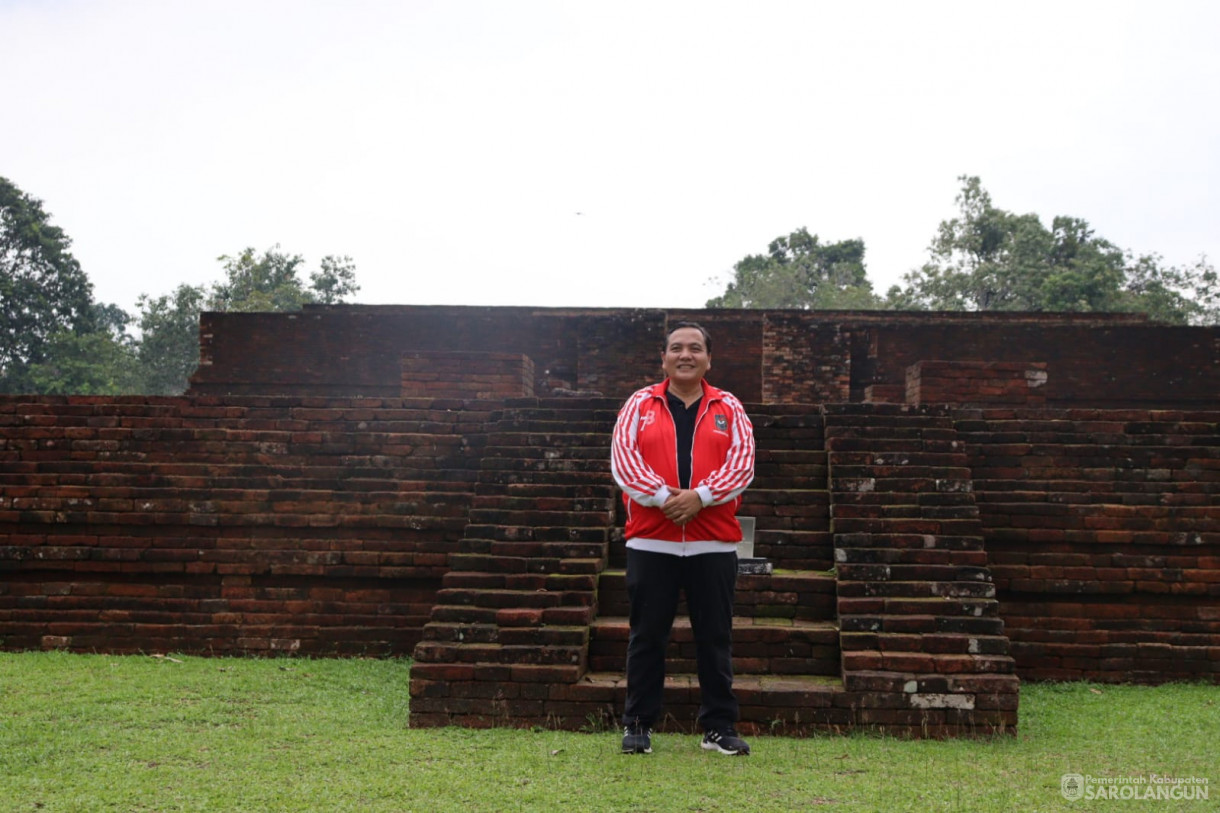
x=654 y=581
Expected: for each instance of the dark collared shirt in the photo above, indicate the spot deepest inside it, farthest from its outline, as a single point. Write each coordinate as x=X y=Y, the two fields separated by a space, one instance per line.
x=684 y=428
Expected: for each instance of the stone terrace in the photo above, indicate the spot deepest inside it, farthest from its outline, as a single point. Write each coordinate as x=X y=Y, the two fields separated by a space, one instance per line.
x=924 y=555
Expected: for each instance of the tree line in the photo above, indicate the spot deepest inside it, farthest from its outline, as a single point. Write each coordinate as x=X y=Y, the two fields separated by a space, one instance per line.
x=984 y=259
x=55 y=338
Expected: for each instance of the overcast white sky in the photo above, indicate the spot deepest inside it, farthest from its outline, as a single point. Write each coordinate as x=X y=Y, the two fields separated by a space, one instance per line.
x=595 y=153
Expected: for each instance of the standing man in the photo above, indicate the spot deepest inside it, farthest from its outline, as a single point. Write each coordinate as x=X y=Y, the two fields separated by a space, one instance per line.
x=683 y=451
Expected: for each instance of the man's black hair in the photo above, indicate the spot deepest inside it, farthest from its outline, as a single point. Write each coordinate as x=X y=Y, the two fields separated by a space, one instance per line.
x=707 y=338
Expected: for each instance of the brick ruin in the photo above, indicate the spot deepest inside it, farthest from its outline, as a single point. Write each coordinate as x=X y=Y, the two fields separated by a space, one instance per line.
x=948 y=503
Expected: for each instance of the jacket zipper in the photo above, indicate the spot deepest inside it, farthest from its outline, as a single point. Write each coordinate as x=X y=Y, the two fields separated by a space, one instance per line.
x=677 y=467
x=703 y=409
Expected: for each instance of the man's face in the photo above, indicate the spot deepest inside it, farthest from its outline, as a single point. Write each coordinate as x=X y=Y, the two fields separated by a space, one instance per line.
x=685 y=359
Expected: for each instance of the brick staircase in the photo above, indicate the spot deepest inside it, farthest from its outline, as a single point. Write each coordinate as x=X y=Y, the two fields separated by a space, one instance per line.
x=922 y=639
x=510 y=631
x=531 y=626
x=1103 y=534
x=785 y=639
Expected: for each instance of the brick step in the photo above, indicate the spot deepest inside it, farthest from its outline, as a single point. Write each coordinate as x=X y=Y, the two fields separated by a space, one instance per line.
x=539 y=517
x=779 y=477
x=922 y=498
x=565 y=615
x=585 y=475
x=242 y=502
x=499 y=438
x=560 y=403
x=481 y=563
x=899 y=471
x=506 y=598
x=907 y=541
x=544 y=463
x=556 y=582
x=929 y=459
x=814 y=519
x=160 y=563
x=321 y=436
x=918 y=431
x=788 y=495
x=926 y=662
x=772 y=704
x=810 y=478
x=840 y=511
x=230 y=458
x=796 y=550
x=901 y=485
x=1073 y=490
x=420 y=528
x=429 y=651
x=789 y=415
x=1057 y=504
x=845 y=413
x=602 y=489
x=891 y=446
x=577 y=425
x=853 y=571
x=848 y=587
x=513 y=502
x=531 y=456
x=808 y=439
x=932 y=643
x=538 y=533
x=911 y=557
x=936 y=527
x=912 y=624
x=155 y=479
x=789 y=457
x=803 y=595
x=485 y=633
x=534 y=549
x=941 y=606
x=772 y=646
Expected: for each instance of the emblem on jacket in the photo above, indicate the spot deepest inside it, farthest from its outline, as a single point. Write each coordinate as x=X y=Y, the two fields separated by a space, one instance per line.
x=646 y=420
x=722 y=423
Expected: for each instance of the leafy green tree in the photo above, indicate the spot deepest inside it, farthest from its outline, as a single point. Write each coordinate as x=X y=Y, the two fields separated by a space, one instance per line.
x=169 y=324
x=271 y=283
x=168 y=350
x=989 y=259
x=97 y=363
x=43 y=292
x=799 y=271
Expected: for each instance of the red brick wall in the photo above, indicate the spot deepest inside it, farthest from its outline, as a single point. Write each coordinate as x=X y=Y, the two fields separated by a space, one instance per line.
x=1121 y=365
x=465 y=374
x=977 y=382
x=324 y=525
x=228 y=524
x=804 y=363
x=1103 y=535
x=761 y=356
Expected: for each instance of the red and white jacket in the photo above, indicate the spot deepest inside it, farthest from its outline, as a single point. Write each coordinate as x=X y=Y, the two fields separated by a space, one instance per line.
x=644 y=462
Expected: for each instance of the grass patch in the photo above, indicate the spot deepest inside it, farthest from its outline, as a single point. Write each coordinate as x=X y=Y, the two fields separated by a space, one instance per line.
x=97 y=732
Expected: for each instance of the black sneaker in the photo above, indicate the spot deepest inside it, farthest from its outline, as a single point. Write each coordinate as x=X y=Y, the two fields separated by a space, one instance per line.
x=637 y=739
x=726 y=741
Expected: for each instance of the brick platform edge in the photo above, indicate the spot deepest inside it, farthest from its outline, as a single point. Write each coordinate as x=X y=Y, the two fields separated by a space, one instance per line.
x=336 y=526
x=923 y=650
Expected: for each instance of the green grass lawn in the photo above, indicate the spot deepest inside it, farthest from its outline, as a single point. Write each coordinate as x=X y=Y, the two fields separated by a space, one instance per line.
x=97 y=732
